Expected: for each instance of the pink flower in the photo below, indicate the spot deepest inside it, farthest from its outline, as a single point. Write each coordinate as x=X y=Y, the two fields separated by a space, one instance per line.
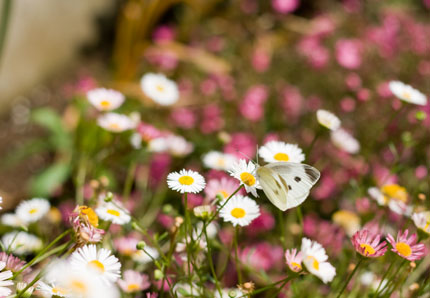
x=163 y=33
x=292 y=102
x=211 y=119
x=13 y=264
x=353 y=81
x=148 y=132
x=348 y=53
x=265 y=222
x=261 y=256
x=158 y=168
x=133 y=281
x=261 y=60
x=242 y=145
x=285 y=6
x=421 y=172
x=368 y=244
x=311 y=48
x=126 y=245
x=407 y=248
x=294 y=259
x=224 y=187
x=183 y=118
x=252 y=105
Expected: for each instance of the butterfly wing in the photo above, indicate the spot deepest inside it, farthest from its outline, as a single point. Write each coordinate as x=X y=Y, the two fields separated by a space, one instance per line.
x=272 y=185
x=299 y=179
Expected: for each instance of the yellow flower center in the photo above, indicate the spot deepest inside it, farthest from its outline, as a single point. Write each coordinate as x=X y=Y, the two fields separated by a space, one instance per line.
x=160 y=88
x=238 y=212
x=97 y=265
x=247 y=178
x=294 y=264
x=404 y=249
x=78 y=286
x=57 y=290
x=32 y=211
x=315 y=263
x=133 y=287
x=426 y=226
x=395 y=191
x=113 y=212
x=224 y=194
x=92 y=217
x=368 y=250
x=220 y=162
x=186 y=180
x=114 y=126
x=105 y=103
x=281 y=156
x=406 y=95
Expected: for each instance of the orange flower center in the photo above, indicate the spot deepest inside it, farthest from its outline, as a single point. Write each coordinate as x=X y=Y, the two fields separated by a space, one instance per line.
x=247 y=178
x=97 y=265
x=404 y=249
x=105 y=103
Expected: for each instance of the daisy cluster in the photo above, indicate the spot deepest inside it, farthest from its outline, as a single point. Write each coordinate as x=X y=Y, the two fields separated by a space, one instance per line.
x=256 y=149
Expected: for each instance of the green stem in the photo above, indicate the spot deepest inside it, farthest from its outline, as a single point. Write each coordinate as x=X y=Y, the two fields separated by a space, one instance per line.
x=236 y=252
x=349 y=277
x=4 y=23
x=187 y=247
x=389 y=282
x=42 y=252
x=383 y=277
x=271 y=286
x=36 y=279
x=129 y=181
x=80 y=180
x=211 y=264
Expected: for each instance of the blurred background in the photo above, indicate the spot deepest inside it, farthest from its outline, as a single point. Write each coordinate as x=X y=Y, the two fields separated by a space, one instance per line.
x=54 y=50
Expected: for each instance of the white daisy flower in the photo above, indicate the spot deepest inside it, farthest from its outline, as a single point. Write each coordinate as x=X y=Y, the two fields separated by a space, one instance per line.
x=345 y=141
x=32 y=210
x=315 y=260
x=5 y=281
x=186 y=181
x=160 y=89
x=50 y=290
x=113 y=213
x=276 y=151
x=240 y=211
x=101 y=262
x=21 y=243
x=245 y=173
x=79 y=283
x=218 y=160
x=328 y=119
x=105 y=99
x=145 y=257
x=115 y=122
x=378 y=196
x=12 y=220
x=422 y=221
x=407 y=93
x=178 y=146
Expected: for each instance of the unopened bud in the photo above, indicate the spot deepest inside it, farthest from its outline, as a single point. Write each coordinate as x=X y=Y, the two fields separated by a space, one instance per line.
x=167 y=208
x=104 y=181
x=413 y=287
x=109 y=197
x=203 y=211
x=178 y=221
x=140 y=245
x=158 y=275
x=422 y=197
x=94 y=184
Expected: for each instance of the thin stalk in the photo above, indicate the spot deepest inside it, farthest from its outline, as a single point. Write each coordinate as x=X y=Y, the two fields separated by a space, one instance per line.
x=236 y=258
x=187 y=244
x=43 y=251
x=4 y=23
x=349 y=277
x=389 y=282
x=80 y=179
x=129 y=181
x=383 y=277
x=211 y=264
x=271 y=286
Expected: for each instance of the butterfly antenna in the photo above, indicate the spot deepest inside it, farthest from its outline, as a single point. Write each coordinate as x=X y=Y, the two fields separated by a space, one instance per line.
x=246 y=156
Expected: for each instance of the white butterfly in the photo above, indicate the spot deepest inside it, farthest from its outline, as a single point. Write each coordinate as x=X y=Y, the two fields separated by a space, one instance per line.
x=287 y=184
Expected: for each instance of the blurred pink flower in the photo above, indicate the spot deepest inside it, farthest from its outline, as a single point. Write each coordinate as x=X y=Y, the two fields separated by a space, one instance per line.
x=158 y=169
x=224 y=187
x=260 y=60
x=352 y=6
x=13 y=263
x=292 y=103
x=270 y=137
x=362 y=205
x=363 y=94
x=326 y=187
x=261 y=256
x=163 y=33
x=165 y=220
x=208 y=87
x=421 y=172
x=316 y=54
x=133 y=281
x=252 y=105
x=285 y=6
x=349 y=53
x=242 y=145
x=325 y=232
x=194 y=200
x=183 y=118
x=264 y=223
x=125 y=245
x=406 y=247
x=148 y=132
x=353 y=81
x=368 y=244
x=347 y=104
x=383 y=90
x=166 y=60
x=215 y=44
x=212 y=120
x=249 y=6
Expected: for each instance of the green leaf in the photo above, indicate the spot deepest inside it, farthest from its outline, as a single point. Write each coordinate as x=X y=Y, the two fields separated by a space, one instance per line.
x=49 y=179
x=49 y=119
